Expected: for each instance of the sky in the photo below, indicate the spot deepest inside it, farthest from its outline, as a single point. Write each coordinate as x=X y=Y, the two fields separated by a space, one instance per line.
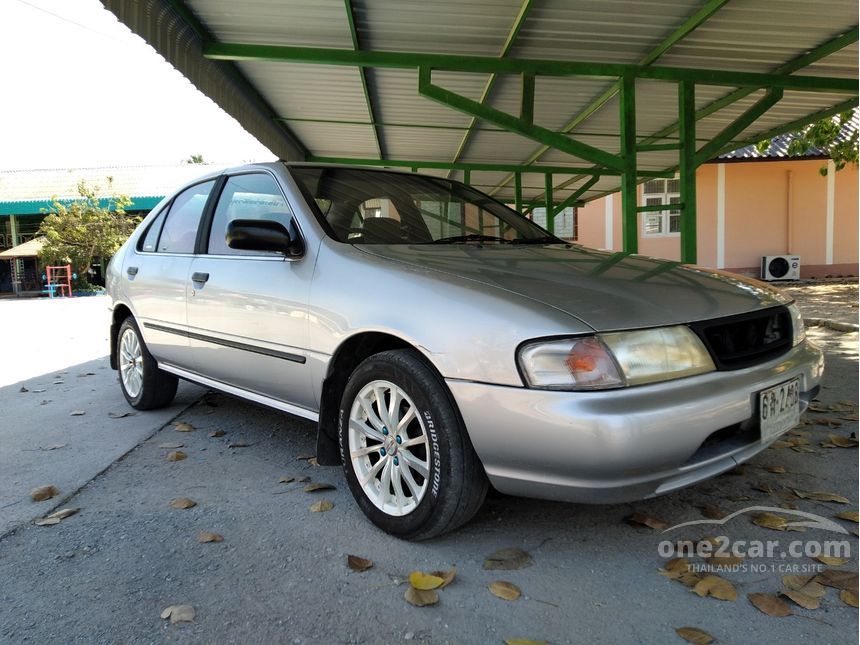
x=79 y=89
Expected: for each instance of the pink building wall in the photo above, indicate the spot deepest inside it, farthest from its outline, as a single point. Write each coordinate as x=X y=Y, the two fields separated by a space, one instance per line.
x=770 y=208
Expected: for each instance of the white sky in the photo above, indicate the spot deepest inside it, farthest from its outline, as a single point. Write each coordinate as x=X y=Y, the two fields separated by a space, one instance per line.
x=80 y=89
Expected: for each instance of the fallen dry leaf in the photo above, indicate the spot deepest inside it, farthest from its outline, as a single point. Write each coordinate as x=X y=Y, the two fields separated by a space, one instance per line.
x=42 y=493
x=779 y=443
x=424 y=581
x=820 y=496
x=321 y=506
x=205 y=536
x=447 y=576
x=217 y=433
x=769 y=604
x=286 y=480
x=56 y=517
x=764 y=488
x=504 y=590
x=357 y=563
x=176 y=455
x=179 y=614
x=77 y=413
x=806 y=449
x=838 y=579
x=171 y=446
x=801 y=599
x=120 y=415
x=830 y=561
x=314 y=462
x=804 y=584
x=724 y=559
x=848 y=597
x=421 y=597
x=716 y=587
x=182 y=503
x=182 y=426
x=316 y=486
x=713 y=512
x=304 y=457
x=852 y=516
x=641 y=519
x=774 y=522
x=675 y=567
x=842 y=442
x=694 y=635
x=507 y=560
x=779 y=470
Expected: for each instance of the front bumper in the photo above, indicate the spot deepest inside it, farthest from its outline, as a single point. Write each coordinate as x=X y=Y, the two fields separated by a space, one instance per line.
x=626 y=444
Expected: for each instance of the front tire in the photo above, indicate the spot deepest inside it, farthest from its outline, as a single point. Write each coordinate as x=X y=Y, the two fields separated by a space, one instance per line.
x=144 y=386
x=405 y=451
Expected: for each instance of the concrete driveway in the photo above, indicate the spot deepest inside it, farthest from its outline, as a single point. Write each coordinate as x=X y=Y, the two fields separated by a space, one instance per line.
x=280 y=575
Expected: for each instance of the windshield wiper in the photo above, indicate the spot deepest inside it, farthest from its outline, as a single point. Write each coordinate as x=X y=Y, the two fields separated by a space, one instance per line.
x=545 y=239
x=472 y=237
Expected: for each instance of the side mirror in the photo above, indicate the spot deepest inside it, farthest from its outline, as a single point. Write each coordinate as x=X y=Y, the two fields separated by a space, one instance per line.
x=260 y=235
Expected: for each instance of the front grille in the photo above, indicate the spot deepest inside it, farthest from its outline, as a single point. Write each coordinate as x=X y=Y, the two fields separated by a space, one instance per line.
x=740 y=341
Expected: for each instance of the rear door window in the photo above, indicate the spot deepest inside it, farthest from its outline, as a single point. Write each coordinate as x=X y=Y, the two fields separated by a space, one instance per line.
x=180 y=229
x=250 y=196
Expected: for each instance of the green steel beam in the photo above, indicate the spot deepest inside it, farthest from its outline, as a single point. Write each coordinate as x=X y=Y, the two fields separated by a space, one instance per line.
x=480 y=167
x=822 y=51
x=745 y=120
x=689 y=25
x=525 y=7
x=467 y=177
x=663 y=267
x=604 y=265
x=573 y=198
x=688 y=162
x=653 y=208
x=362 y=73
x=518 y=192
x=550 y=214
x=812 y=56
x=627 y=118
x=513 y=124
x=527 y=102
x=490 y=65
x=793 y=126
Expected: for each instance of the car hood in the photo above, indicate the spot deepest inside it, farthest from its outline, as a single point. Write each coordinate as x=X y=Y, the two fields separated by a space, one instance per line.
x=607 y=291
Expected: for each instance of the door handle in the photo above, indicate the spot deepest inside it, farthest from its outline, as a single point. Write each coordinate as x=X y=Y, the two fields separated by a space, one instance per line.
x=199 y=277
x=131 y=271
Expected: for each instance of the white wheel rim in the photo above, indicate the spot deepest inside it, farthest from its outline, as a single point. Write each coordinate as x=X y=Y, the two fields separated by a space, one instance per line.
x=131 y=363
x=388 y=448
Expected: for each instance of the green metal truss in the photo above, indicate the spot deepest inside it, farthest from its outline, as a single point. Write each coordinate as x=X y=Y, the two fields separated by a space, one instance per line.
x=362 y=72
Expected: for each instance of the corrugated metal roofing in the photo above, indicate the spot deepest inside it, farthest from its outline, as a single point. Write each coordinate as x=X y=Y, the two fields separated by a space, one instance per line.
x=62 y=183
x=302 y=110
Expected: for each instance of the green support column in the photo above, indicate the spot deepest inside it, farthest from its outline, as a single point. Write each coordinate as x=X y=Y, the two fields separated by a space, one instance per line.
x=13 y=225
x=467 y=177
x=518 y=192
x=550 y=217
x=687 y=169
x=629 y=217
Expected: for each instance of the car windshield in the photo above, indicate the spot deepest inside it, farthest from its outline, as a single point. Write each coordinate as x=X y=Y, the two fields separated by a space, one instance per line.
x=378 y=207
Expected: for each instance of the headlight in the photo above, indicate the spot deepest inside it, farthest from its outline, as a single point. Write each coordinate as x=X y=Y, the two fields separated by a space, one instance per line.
x=615 y=359
x=798 y=329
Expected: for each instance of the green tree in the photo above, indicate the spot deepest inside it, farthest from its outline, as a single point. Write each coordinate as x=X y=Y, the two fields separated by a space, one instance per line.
x=823 y=135
x=87 y=228
x=195 y=159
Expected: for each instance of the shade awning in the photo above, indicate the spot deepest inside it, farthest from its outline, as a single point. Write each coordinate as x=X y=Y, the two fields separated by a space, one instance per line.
x=29 y=249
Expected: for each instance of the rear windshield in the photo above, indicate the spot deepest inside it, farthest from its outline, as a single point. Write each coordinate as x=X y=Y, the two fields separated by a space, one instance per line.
x=377 y=207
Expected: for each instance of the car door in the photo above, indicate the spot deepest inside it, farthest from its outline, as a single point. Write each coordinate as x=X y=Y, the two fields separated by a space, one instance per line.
x=247 y=310
x=158 y=273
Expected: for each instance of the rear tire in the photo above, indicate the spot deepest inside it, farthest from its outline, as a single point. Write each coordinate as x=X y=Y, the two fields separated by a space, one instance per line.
x=406 y=454
x=144 y=386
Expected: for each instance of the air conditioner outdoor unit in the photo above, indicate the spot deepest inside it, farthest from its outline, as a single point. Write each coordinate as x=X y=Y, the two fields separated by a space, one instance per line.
x=780 y=267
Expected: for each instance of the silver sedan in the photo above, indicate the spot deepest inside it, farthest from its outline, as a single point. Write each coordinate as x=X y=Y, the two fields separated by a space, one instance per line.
x=444 y=343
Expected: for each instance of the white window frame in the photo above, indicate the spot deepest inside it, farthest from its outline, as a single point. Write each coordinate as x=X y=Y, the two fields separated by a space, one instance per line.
x=664 y=216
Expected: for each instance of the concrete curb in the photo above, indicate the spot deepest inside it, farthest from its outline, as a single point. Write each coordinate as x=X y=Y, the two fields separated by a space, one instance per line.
x=831 y=324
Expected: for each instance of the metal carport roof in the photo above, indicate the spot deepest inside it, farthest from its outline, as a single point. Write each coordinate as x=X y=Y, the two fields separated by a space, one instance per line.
x=541 y=101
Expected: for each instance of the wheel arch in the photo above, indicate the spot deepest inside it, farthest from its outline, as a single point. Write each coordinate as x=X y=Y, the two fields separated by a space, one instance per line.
x=349 y=354
x=118 y=315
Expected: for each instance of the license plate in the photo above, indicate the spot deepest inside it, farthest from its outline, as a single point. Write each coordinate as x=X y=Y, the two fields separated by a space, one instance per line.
x=779 y=409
